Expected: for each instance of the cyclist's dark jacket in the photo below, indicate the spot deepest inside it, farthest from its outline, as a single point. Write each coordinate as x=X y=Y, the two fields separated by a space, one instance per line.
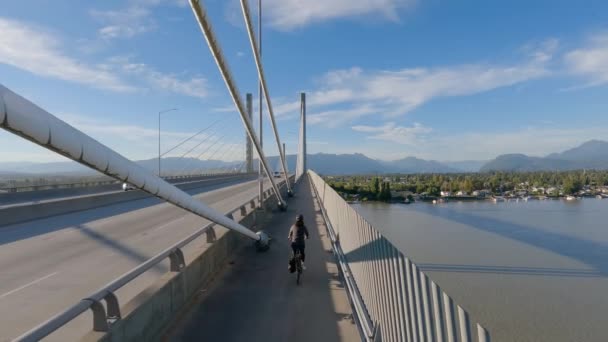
x=298 y=233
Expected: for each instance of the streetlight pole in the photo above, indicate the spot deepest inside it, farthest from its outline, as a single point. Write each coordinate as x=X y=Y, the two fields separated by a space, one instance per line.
x=159 y=113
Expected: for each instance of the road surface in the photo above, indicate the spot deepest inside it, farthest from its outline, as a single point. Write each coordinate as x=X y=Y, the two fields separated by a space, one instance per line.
x=49 y=264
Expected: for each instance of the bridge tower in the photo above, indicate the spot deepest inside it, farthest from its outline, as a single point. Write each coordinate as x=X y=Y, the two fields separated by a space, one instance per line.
x=301 y=159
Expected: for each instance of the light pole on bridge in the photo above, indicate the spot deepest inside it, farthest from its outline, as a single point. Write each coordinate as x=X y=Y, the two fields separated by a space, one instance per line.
x=159 y=113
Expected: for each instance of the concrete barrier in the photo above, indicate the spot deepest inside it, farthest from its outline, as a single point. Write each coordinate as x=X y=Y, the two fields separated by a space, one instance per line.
x=33 y=211
x=149 y=314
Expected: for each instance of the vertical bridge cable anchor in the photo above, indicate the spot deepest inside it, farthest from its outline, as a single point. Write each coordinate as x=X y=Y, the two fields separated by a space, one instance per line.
x=263 y=243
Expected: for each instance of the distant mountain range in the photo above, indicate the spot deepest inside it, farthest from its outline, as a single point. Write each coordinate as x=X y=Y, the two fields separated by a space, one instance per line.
x=590 y=155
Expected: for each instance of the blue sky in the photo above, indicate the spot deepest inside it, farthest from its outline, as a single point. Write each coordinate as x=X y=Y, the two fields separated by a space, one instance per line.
x=443 y=80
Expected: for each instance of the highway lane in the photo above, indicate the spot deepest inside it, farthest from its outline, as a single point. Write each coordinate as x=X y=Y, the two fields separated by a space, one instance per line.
x=49 y=264
x=41 y=196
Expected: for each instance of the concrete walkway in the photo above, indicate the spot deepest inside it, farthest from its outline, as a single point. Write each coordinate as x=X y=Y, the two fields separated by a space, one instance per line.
x=257 y=299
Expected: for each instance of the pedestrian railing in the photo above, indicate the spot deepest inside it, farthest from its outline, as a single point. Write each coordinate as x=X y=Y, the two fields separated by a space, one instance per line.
x=392 y=298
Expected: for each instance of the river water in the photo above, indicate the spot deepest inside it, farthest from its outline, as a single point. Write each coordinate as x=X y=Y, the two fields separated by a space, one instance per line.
x=527 y=271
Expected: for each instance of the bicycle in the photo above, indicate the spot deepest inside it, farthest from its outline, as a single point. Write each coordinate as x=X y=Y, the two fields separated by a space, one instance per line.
x=298 y=263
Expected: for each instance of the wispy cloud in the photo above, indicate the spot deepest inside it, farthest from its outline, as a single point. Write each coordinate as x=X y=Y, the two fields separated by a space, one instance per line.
x=111 y=131
x=391 y=93
x=131 y=21
x=125 y=23
x=392 y=132
x=290 y=14
x=590 y=61
x=456 y=146
x=32 y=49
x=192 y=86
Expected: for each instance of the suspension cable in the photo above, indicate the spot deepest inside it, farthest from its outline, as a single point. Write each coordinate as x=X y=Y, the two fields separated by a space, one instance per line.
x=189 y=138
x=260 y=69
x=205 y=26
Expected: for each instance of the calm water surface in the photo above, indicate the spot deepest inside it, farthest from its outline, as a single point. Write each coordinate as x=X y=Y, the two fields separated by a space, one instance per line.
x=528 y=271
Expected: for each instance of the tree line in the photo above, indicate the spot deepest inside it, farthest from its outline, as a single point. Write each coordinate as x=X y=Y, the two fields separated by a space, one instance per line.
x=379 y=187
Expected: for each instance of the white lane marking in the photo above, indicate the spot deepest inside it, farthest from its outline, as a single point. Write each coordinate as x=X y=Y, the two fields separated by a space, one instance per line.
x=167 y=224
x=27 y=285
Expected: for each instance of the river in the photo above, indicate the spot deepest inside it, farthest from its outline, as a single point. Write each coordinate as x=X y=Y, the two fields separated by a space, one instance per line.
x=528 y=271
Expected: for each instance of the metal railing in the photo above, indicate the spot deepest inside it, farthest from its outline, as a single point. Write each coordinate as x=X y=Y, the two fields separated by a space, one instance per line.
x=105 y=316
x=393 y=299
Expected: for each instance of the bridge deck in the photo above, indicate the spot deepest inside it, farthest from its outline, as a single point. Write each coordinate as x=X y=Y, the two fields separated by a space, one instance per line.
x=257 y=299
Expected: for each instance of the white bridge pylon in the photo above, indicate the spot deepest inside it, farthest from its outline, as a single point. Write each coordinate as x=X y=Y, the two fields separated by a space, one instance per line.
x=23 y=118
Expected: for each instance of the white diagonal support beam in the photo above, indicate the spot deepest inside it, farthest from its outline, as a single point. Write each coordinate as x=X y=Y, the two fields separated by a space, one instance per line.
x=205 y=25
x=258 y=64
x=22 y=117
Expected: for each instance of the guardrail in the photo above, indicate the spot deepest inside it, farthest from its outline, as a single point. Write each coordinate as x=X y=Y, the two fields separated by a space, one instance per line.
x=393 y=299
x=105 y=316
x=93 y=182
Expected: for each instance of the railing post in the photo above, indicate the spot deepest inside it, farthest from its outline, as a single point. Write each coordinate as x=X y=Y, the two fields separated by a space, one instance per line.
x=411 y=299
x=373 y=278
x=392 y=290
x=463 y=319
x=113 y=306
x=100 y=320
x=177 y=260
x=449 y=318
x=482 y=334
x=436 y=297
x=399 y=295
x=418 y=302
x=404 y=298
x=210 y=234
x=427 y=308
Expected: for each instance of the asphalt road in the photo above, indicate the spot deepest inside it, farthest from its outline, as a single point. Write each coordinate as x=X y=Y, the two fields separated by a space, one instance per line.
x=41 y=196
x=48 y=264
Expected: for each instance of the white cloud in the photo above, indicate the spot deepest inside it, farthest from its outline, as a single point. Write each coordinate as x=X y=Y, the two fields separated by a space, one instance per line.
x=110 y=131
x=31 y=49
x=431 y=144
x=193 y=86
x=391 y=132
x=591 y=61
x=125 y=23
x=131 y=21
x=333 y=118
x=391 y=93
x=290 y=14
x=487 y=145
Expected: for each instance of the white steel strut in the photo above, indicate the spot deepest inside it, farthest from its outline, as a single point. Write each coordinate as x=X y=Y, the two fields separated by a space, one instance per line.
x=22 y=117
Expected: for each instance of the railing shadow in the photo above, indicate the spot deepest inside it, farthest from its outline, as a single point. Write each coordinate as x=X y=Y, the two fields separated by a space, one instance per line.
x=512 y=270
x=121 y=248
x=591 y=253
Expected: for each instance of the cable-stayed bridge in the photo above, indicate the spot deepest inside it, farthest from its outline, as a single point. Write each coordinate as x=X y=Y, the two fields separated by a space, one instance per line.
x=195 y=252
